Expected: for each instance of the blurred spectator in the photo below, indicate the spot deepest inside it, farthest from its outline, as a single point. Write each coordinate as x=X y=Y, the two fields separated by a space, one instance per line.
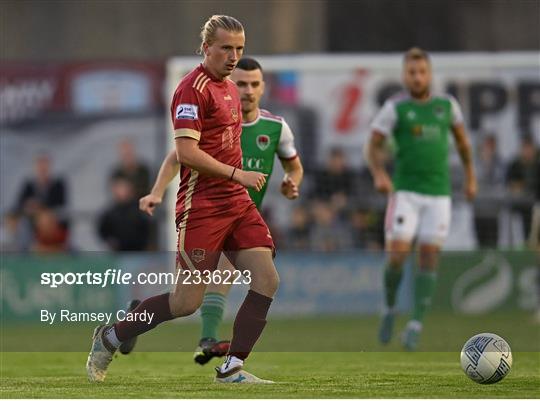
x=366 y=230
x=123 y=226
x=489 y=166
x=534 y=234
x=521 y=176
x=336 y=180
x=298 y=234
x=50 y=234
x=490 y=175
x=523 y=181
x=132 y=169
x=42 y=190
x=16 y=233
x=328 y=233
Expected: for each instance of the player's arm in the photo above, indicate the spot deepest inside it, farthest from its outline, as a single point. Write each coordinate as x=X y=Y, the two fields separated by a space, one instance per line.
x=168 y=170
x=290 y=161
x=374 y=153
x=294 y=173
x=463 y=146
x=190 y=155
x=188 y=111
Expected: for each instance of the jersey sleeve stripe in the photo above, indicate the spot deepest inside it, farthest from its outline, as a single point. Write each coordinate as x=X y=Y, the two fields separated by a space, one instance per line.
x=187 y=133
x=203 y=84
x=196 y=82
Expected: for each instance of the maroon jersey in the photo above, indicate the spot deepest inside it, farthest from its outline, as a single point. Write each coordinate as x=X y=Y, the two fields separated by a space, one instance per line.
x=208 y=110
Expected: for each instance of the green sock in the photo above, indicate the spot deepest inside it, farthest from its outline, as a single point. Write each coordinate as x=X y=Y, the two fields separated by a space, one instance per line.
x=392 y=278
x=424 y=287
x=212 y=313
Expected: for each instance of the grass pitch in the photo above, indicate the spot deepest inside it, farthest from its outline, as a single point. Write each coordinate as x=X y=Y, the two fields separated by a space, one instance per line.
x=340 y=370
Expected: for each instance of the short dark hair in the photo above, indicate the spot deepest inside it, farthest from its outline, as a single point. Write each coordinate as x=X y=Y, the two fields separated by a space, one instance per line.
x=248 y=64
x=415 y=53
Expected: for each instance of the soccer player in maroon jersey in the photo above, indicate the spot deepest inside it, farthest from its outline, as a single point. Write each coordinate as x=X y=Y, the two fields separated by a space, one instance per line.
x=214 y=212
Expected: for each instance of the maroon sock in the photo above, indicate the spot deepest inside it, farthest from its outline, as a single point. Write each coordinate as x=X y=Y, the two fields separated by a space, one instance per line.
x=158 y=305
x=249 y=324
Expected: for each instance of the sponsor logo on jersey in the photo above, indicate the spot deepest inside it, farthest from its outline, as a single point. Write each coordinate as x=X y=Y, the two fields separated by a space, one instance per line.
x=228 y=97
x=411 y=114
x=417 y=130
x=186 y=111
x=263 y=141
x=198 y=255
x=253 y=163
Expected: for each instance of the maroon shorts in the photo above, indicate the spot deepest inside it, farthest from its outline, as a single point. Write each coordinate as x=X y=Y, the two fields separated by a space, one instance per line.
x=202 y=236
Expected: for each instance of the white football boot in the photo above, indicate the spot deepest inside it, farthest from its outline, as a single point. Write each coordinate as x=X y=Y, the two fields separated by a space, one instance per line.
x=99 y=358
x=238 y=375
x=231 y=372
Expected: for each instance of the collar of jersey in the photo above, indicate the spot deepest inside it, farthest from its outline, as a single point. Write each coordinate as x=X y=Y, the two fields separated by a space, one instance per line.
x=254 y=121
x=429 y=99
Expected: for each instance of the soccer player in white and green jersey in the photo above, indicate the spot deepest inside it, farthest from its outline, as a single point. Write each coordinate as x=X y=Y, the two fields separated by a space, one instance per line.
x=264 y=136
x=419 y=206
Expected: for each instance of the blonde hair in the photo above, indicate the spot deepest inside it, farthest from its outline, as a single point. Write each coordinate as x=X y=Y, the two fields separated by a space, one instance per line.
x=210 y=27
x=415 y=53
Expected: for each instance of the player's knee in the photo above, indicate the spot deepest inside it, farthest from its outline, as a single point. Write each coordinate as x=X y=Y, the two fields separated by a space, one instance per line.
x=428 y=257
x=267 y=283
x=273 y=283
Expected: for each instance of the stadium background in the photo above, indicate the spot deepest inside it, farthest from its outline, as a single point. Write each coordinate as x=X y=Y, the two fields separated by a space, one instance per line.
x=86 y=84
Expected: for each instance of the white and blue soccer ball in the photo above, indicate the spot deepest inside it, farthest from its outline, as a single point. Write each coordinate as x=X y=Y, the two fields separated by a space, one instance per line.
x=486 y=358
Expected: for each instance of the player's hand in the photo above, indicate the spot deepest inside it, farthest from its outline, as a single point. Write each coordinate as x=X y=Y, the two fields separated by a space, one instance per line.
x=148 y=203
x=383 y=183
x=289 y=189
x=471 y=188
x=250 y=179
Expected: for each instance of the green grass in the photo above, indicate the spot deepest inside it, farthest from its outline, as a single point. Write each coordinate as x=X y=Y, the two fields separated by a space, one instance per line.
x=342 y=371
x=298 y=375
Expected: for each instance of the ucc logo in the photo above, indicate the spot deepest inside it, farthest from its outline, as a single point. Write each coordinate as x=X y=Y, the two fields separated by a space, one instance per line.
x=253 y=163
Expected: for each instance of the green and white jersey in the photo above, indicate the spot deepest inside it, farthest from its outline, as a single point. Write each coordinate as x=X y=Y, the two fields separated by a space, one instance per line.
x=262 y=139
x=421 y=133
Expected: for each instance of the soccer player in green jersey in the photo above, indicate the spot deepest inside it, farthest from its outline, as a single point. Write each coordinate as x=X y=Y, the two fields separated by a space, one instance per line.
x=264 y=136
x=419 y=205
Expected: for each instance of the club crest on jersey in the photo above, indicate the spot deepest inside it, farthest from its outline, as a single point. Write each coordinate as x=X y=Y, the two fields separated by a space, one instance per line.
x=198 y=255
x=186 y=111
x=263 y=141
x=439 y=112
x=234 y=114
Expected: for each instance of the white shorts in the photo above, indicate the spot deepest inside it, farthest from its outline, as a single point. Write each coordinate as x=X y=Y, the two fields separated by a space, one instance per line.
x=410 y=215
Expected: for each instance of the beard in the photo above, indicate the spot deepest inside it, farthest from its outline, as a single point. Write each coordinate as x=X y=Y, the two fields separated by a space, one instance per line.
x=248 y=105
x=419 y=93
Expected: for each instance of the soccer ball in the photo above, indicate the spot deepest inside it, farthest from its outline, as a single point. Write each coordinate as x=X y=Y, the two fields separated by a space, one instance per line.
x=486 y=358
